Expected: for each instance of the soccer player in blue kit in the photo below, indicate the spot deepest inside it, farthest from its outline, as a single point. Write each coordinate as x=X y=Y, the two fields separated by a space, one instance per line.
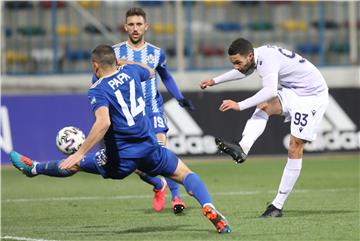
x=130 y=144
x=137 y=50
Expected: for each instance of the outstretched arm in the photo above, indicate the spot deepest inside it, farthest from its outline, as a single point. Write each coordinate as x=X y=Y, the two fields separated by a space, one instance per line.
x=228 y=76
x=268 y=91
x=97 y=132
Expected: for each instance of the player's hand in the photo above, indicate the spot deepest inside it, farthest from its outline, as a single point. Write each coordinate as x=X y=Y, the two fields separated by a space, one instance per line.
x=120 y=62
x=185 y=103
x=206 y=83
x=229 y=105
x=71 y=161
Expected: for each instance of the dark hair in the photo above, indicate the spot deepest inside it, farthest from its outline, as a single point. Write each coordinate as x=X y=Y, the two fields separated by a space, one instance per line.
x=135 y=12
x=240 y=46
x=104 y=55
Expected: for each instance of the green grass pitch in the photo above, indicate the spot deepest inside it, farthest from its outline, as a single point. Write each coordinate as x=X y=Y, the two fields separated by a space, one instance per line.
x=323 y=206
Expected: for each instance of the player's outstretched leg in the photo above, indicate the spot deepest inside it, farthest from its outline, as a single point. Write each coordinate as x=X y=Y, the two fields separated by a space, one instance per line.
x=235 y=151
x=23 y=163
x=177 y=204
x=195 y=187
x=160 y=187
x=32 y=168
x=219 y=221
x=175 y=169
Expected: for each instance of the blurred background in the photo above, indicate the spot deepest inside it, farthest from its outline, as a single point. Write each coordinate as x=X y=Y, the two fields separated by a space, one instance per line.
x=45 y=67
x=58 y=36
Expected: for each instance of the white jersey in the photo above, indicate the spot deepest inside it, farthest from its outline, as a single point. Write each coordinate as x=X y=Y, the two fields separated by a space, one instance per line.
x=277 y=66
x=294 y=72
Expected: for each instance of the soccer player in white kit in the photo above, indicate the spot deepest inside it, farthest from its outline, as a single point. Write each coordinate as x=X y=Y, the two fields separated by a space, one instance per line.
x=302 y=99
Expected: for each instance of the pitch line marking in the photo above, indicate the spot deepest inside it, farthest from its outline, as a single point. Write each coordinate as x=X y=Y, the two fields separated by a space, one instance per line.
x=126 y=197
x=24 y=238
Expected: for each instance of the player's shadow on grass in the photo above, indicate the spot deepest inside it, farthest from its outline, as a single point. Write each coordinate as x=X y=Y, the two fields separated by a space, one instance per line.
x=152 y=229
x=165 y=210
x=98 y=230
x=168 y=210
x=297 y=213
x=300 y=213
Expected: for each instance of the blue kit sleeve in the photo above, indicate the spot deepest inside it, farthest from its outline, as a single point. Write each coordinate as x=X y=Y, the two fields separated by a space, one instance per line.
x=167 y=78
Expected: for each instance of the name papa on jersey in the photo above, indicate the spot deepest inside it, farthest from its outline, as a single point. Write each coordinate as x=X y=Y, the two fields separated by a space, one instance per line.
x=119 y=80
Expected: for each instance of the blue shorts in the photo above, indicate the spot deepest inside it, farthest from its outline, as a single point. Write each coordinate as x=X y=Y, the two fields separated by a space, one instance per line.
x=158 y=122
x=161 y=161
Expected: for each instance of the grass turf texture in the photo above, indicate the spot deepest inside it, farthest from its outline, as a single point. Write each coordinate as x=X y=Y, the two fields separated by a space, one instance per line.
x=323 y=206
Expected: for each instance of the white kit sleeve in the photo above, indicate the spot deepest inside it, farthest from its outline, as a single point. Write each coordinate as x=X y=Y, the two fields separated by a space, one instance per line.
x=229 y=76
x=268 y=91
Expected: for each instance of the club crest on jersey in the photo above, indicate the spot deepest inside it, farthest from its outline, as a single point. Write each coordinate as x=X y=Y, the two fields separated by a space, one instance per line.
x=150 y=59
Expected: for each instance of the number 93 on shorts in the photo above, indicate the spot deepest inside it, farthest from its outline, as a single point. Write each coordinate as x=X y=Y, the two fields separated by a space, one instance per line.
x=304 y=112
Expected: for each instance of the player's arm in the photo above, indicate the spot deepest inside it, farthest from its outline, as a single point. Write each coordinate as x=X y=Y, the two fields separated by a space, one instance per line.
x=228 y=76
x=96 y=134
x=125 y=61
x=268 y=91
x=170 y=83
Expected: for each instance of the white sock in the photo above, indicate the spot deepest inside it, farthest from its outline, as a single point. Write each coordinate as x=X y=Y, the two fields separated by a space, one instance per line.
x=288 y=180
x=33 y=170
x=254 y=127
x=209 y=204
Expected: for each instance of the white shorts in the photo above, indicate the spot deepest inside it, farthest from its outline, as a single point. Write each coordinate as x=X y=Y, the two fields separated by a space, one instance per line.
x=304 y=112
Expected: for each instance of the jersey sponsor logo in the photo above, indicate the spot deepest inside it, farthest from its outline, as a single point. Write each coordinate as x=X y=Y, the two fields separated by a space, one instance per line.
x=337 y=131
x=185 y=136
x=6 y=143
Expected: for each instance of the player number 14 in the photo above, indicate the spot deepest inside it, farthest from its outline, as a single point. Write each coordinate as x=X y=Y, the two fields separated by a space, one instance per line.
x=137 y=106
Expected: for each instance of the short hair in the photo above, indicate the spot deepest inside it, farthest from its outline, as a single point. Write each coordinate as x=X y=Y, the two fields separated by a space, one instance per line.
x=240 y=46
x=135 y=12
x=104 y=55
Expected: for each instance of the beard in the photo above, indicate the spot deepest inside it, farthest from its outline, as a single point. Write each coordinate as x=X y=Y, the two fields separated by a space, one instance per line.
x=135 y=41
x=249 y=70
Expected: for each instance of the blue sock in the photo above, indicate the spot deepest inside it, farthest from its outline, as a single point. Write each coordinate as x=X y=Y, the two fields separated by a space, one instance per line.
x=174 y=188
x=51 y=168
x=154 y=181
x=90 y=163
x=194 y=185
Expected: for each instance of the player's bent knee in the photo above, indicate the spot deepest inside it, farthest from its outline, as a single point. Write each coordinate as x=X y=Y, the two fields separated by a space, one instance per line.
x=181 y=172
x=271 y=107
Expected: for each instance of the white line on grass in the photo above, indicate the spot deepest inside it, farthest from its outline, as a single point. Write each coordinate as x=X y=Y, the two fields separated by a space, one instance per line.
x=24 y=238
x=125 y=197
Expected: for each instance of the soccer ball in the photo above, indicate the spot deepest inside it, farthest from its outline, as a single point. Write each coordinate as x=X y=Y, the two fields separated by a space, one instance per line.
x=69 y=139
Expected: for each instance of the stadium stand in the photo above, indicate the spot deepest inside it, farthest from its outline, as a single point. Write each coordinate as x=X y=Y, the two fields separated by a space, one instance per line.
x=313 y=28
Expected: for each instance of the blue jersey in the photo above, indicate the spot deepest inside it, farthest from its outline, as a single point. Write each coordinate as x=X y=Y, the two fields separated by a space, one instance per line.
x=129 y=134
x=155 y=58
